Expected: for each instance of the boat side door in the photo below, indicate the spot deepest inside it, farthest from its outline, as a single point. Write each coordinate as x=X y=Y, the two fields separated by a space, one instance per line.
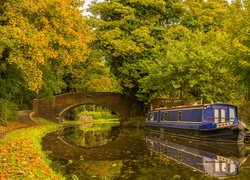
x=219 y=115
x=223 y=115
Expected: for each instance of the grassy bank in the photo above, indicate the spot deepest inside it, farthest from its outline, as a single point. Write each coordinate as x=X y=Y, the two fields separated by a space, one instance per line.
x=21 y=155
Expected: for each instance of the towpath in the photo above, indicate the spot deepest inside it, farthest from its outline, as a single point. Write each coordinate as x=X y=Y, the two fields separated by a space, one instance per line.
x=24 y=120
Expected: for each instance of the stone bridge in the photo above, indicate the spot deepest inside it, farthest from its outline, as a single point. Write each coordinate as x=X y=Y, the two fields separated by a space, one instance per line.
x=60 y=104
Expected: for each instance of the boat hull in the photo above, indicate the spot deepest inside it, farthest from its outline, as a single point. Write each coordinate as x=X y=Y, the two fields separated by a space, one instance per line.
x=230 y=135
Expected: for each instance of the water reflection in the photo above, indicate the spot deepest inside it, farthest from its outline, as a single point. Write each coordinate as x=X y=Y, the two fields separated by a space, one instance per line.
x=90 y=135
x=120 y=153
x=225 y=162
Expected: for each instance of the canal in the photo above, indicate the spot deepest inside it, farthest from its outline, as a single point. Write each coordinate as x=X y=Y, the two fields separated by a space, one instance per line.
x=108 y=151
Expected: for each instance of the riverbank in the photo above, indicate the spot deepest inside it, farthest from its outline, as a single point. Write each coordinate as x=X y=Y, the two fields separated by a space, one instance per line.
x=21 y=155
x=11 y=127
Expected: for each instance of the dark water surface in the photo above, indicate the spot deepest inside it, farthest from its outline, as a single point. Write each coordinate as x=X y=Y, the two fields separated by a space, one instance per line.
x=110 y=152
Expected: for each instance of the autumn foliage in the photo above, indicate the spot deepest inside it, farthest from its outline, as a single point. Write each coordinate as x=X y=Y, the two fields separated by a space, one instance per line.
x=21 y=156
x=42 y=35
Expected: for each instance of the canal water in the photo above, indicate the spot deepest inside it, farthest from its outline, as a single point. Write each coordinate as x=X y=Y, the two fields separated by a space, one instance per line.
x=107 y=151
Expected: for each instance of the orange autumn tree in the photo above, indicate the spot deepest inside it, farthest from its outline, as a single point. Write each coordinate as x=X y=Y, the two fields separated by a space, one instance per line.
x=40 y=40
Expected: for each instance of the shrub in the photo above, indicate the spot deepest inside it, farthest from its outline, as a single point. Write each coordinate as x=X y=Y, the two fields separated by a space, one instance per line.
x=8 y=111
x=99 y=115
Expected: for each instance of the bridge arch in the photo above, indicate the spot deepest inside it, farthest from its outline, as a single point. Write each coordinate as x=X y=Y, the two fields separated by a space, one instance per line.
x=64 y=111
x=55 y=107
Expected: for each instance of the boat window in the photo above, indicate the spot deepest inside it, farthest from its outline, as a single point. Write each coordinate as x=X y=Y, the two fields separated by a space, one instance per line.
x=216 y=166
x=223 y=167
x=161 y=116
x=231 y=114
x=179 y=115
x=151 y=117
x=156 y=116
x=165 y=116
x=232 y=168
x=216 y=115
x=223 y=115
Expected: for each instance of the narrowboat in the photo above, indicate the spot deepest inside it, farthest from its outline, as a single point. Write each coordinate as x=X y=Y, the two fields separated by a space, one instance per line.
x=216 y=122
x=204 y=161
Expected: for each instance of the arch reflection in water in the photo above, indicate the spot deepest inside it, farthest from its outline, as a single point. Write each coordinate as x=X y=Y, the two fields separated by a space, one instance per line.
x=203 y=159
x=95 y=136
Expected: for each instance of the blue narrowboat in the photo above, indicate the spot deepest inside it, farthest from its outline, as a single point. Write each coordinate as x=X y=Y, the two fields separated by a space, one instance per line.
x=212 y=122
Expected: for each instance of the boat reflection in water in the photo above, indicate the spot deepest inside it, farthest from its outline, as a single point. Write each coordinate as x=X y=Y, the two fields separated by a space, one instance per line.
x=217 y=160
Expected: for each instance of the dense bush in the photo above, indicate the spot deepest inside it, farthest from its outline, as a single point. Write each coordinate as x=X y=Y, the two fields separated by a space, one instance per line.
x=244 y=111
x=8 y=111
x=97 y=112
x=99 y=115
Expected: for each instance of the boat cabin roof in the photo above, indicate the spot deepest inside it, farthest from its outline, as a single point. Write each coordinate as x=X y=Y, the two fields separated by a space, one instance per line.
x=191 y=106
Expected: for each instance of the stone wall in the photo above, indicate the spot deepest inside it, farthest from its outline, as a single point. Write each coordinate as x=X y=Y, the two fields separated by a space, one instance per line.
x=60 y=104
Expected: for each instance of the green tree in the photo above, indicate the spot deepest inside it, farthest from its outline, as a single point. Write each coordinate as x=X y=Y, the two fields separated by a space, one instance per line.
x=130 y=32
x=166 y=47
x=194 y=65
x=195 y=60
x=238 y=27
x=204 y=15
